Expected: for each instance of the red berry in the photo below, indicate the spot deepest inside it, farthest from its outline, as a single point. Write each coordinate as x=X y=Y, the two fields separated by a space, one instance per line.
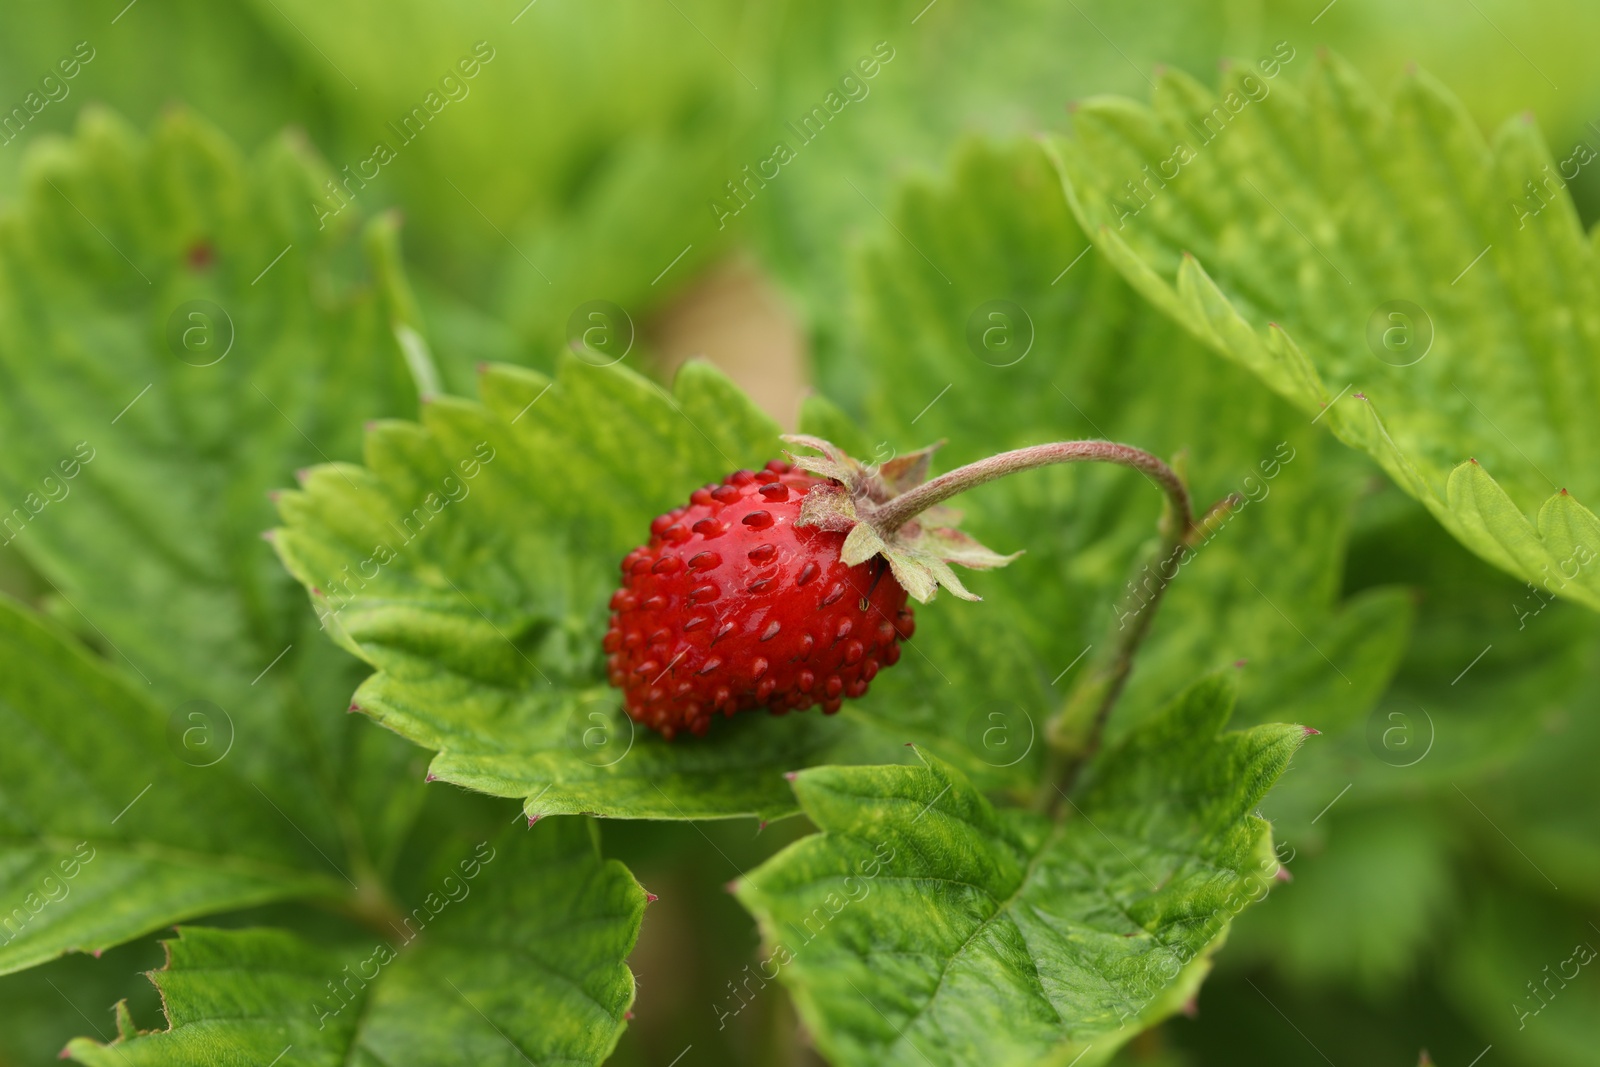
x=731 y=607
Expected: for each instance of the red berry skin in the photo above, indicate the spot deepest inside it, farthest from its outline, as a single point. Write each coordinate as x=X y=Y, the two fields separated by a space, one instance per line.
x=731 y=607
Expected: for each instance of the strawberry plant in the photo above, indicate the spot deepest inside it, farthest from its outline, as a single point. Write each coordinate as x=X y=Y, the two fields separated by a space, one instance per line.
x=1160 y=632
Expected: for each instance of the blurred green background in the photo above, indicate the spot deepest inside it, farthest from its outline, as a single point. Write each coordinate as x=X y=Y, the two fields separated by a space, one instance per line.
x=581 y=164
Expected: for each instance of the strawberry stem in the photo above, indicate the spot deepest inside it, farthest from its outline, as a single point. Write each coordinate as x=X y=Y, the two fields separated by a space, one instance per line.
x=372 y=905
x=905 y=507
x=1073 y=735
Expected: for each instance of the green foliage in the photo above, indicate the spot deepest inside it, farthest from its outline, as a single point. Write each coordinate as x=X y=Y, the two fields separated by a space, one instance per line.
x=1526 y=971
x=40 y=1021
x=100 y=266
x=923 y=925
x=1364 y=909
x=203 y=772
x=222 y=60
x=584 y=159
x=468 y=561
x=139 y=476
x=1265 y=589
x=471 y=560
x=471 y=621
x=1277 y=240
x=139 y=481
x=533 y=971
x=596 y=186
x=123 y=836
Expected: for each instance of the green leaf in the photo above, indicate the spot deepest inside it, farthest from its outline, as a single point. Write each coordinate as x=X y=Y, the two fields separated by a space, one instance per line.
x=114 y=238
x=1102 y=363
x=1491 y=674
x=486 y=631
x=1522 y=965
x=1532 y=808
x=40 y=1020
x=596 y=198
x=1362 y=910
x=121 y=836
x=1374 y=895
x=153 y=543
x=471 y=562
x=1299 y=217
x=224 y=61
x=923 y=925
x=177 y=335
x=525 y=966
x=821 y=417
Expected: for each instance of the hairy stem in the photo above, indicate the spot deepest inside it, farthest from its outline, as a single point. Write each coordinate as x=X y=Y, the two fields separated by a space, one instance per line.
x=372 y=906
x=1073 y=735
x=903 y=508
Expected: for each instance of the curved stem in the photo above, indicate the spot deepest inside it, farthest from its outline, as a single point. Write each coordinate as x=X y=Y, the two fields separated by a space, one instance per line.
x=1073 y=735
x=903 y=508
x=372 y=907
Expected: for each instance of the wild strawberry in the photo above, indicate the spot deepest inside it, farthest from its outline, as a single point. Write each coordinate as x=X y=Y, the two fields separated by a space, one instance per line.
x=735 y=605
x=788 y=588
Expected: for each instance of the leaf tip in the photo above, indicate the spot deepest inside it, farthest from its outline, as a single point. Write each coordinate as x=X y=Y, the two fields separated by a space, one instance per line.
x=790 y=776
x=1239 y=663
x=533 y=819
x=649 y=897
x=353 y=707
x=1311 y=731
